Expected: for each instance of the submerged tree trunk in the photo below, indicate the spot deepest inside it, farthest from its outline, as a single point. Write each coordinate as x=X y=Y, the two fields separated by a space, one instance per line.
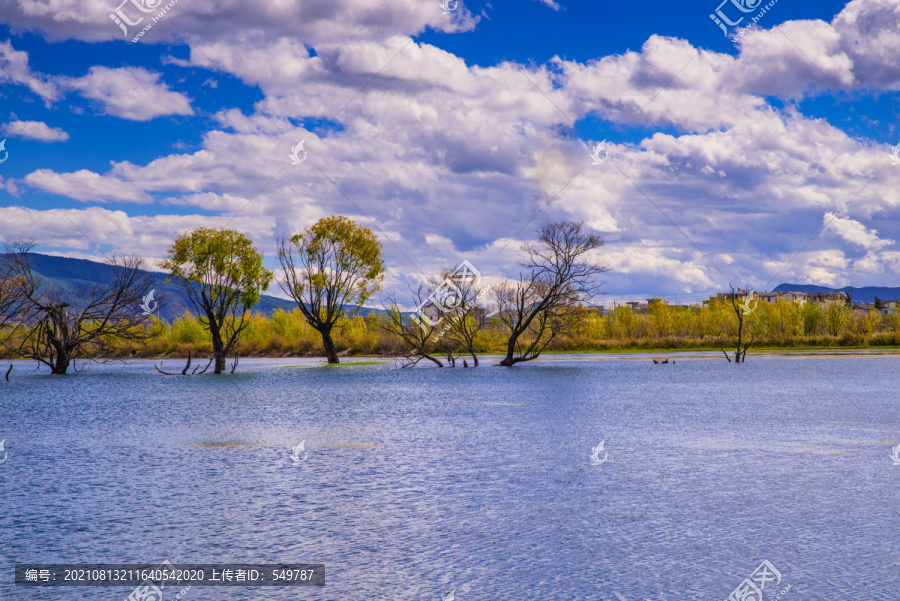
x=61 y=364
x=433 y=360
x=218 y=348
x=328 y=343
x=508 y=360
x=60 y=354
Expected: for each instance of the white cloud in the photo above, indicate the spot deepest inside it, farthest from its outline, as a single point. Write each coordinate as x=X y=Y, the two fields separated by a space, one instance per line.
x=14 y=69
x=85 y=185
x=870 y=36
x=312 y=21
x=131 y=93
x=452 y=161
x=855 y=232
x=796 y=59
x=35 y=130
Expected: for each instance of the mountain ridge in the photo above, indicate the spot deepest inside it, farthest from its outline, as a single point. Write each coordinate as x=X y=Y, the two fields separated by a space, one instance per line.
x=862 y=294
x=68 y=272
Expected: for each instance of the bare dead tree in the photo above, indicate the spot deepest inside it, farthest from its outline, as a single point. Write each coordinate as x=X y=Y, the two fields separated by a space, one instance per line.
x=414 y=335
x=741 y=309
x=466 y=319
x=14 y=289
x=448 y=346
x=560 y=276
x=86 y=321
x=187 y=366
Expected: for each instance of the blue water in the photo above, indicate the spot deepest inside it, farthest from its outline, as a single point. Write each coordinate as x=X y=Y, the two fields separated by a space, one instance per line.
x=419 y=481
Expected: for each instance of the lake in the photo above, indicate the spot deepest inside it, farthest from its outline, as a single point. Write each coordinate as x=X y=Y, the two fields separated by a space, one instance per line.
x=419 y=482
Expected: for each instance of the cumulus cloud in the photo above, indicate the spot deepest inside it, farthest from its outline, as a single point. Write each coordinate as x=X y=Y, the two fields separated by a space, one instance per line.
x=85 y=185
x=14 y=69
x=855 y=232
x=312 y=21
x=131 y=93
x=34 y=130
x=446 y=161
x=871 y=38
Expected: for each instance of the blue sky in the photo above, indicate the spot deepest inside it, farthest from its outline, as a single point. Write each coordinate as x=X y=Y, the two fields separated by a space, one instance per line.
x=749 y=161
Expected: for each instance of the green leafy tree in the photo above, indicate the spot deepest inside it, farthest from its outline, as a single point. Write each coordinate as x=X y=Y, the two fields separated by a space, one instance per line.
x=812 y=319
x=661 y=318
x=837 y=317
x=785 y=317
x=624 y=323
x=333 y=264
x=223 y=275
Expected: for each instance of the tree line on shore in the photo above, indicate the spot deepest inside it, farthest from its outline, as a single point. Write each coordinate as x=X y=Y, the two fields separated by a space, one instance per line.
x=327 y=269
x=286 y=333
x=336 y=265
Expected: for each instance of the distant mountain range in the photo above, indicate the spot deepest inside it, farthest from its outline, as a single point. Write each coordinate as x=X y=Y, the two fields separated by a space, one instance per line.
x=863 y=294
x=173 y=300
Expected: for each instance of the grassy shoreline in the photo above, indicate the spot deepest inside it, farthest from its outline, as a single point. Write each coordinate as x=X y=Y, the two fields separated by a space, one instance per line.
x=643 y=352
x=781 y=328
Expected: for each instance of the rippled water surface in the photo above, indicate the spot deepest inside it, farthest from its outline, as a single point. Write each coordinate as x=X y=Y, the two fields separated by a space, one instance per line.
x=421 y=480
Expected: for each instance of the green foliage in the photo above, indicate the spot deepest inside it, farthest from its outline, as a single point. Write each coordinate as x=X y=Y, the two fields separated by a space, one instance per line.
x=340 y=256
x=812 y=319
x=224 y=263
x=186 y=330
x=837 y=317
x=223 y=277
x=779 y=324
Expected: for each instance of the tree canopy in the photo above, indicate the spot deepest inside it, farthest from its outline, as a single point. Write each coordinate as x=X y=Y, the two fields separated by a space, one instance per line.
x=223 y=276
x=334 y=263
